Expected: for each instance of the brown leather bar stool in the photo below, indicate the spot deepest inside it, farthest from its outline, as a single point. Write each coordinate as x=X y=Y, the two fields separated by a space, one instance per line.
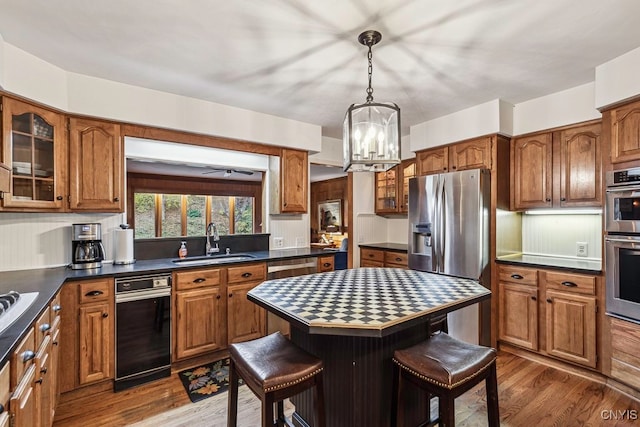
x=445 y=367
x=274 y=369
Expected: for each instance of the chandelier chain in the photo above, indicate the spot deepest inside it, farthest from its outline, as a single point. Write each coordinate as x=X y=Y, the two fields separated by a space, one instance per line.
x=370 y=71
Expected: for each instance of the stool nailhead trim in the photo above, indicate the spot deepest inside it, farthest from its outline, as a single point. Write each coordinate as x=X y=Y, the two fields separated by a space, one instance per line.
x=439 y=384
x=290 y=383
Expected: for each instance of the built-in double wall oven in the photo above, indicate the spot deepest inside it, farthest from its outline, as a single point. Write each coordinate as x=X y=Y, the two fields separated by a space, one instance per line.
x=622 y=244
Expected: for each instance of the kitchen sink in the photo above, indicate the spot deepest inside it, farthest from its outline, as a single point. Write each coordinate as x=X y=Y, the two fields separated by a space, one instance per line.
x=213 y=259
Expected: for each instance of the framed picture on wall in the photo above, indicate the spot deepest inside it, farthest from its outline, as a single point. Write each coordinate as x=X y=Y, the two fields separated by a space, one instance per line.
x=330 y=216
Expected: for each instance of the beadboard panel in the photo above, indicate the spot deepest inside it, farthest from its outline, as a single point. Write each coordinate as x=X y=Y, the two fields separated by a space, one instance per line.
x=293 y=229
x=556 y=235
x=38 y=240
x=371 y=229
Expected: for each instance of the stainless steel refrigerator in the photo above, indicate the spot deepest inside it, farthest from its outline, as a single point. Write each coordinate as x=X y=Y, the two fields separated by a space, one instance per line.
x=449 y=234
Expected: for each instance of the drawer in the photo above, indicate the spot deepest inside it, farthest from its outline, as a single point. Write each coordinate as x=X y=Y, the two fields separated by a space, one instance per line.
x=42 y=327
x=372 y=255
x=571 y=282
x=247 y=273
x=5 y=375
x=193 y=279
x=55 y=306
x=399 y=258
x=522 y=275
x=325 y=263
x=368 y=263
x=23 y=357
x=95 y=290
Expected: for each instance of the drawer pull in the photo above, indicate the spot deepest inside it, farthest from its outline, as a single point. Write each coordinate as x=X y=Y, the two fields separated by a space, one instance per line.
x=533 y=298
x=517 y=276
x=39 y=381
x=55 y=343
x=247 y=274
x=56 y=308
x=93 y=293
x=27 y=355
x=105 y=315
x=199 y=280
x=398 y=259
x=371 y=255
x=549 y=300
x=230 y=295
x=45 y=327
x=326 y=264
x=569 y=284
x=217 y=296
x=43 y=370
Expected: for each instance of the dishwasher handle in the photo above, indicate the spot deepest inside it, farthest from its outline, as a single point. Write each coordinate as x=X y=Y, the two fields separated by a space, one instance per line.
x=279 y=268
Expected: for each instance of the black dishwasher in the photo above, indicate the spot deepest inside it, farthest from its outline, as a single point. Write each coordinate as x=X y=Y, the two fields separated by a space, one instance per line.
x=143 y=329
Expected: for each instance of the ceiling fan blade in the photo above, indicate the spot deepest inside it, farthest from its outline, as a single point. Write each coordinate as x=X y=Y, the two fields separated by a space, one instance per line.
x=243 y=172
x=214 y=171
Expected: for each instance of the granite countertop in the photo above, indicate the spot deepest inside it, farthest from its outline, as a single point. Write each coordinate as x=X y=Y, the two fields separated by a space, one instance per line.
x=48 y=281
x=398 y=247
x=370 y=302
x=542 y=261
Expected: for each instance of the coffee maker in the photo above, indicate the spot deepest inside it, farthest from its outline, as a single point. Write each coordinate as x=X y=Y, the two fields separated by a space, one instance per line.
x=86 y=248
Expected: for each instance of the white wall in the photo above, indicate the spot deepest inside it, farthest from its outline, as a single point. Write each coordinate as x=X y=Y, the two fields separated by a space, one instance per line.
x=567 y=107
x=617 y=79
x=330 y=154
x=558 y=234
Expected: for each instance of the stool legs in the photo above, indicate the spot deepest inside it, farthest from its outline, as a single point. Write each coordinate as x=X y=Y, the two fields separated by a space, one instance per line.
x=318 y=400
x=493 y=411
x=232 y=398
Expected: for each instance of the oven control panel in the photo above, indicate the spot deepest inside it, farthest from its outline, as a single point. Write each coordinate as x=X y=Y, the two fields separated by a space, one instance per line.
x=622 y=177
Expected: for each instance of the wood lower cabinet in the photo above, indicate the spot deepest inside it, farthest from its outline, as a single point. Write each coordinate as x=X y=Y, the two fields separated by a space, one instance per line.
x=557 y=168
x=625 y=352
x=245 y=320
x=567 y=312
x=86 y=343
x=198 y=322
x=96 y=166
x=326 y=263
x=383 y=258
x=23 y=401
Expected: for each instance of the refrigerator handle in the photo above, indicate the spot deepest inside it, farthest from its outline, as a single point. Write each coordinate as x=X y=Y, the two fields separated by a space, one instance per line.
x=436 y=227
x=442 y=227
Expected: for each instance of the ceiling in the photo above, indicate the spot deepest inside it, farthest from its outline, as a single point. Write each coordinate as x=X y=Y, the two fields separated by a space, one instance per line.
x=301 y=59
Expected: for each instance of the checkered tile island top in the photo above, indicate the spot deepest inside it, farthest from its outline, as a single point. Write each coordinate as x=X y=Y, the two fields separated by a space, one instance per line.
x=364 y=298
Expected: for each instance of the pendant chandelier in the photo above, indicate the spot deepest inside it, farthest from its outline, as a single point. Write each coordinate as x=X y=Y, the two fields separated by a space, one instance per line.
x=371 y=138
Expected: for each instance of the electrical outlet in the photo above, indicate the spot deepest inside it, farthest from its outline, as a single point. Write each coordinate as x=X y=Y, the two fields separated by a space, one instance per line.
x=278 y=242
x=582 y=248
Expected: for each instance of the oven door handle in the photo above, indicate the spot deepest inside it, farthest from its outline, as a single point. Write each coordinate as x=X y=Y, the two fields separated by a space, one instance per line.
x=625 y=189
x=628 y=241
x=141 y=295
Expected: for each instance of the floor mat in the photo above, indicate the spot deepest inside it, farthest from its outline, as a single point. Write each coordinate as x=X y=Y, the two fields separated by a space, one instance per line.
x=206 y=381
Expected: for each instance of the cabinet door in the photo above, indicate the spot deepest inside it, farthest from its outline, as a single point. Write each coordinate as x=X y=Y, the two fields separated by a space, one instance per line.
x=55 y=366
x=386 y=191
x=23 y=401
x=625 y=125
x=95 y=333
x=531 y=172
x=580 y=166
x=435 y=160
x=198 y=322
x=518 y=306
x=34 y=148
x=571 y=327
x=474 y=154
x=245 y=320
x=294 y=181
x=43 y=384
x=407 y=171
x=95 y=166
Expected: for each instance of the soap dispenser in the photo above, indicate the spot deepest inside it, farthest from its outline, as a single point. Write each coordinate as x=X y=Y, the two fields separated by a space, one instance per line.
x=182 y=252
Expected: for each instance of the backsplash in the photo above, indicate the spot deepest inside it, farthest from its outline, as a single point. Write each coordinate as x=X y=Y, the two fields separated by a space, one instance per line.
x=557 y=235
x=37 y=240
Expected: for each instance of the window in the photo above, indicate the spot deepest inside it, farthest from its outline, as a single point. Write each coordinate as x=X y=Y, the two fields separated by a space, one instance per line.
x=188 y=215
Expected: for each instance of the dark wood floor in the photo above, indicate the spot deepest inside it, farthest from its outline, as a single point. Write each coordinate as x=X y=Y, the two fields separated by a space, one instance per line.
x=530 y=394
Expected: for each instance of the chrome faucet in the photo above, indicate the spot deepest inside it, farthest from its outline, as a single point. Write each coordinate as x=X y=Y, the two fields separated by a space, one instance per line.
x=212 y=230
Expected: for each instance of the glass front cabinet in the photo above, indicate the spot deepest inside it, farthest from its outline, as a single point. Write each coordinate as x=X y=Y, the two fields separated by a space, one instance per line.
x=33 y=146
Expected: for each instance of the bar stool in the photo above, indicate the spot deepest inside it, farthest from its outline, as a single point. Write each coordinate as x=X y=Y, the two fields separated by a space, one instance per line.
x=274 y=369
x=445 y=367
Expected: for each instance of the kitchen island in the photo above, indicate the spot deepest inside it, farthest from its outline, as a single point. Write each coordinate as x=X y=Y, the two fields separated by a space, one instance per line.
x=354 y=320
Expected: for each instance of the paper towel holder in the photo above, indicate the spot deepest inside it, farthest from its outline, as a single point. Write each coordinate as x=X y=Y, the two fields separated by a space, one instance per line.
x=124 y=245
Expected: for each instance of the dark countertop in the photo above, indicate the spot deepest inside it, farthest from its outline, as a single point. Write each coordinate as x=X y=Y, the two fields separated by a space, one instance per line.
x=398 y=247
x=48 y=281
x=372 y=302
x=541 y=261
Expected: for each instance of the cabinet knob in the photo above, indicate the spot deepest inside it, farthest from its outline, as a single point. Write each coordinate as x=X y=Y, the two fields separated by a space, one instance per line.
x=43 y=370
x=533 y=298
x=398 y=259
x=105 y=315
x=59 y=198
x=1 y=408
x=217 y=296
x=27 y=355
x=246 y=274
x=549 y=300
x=93 y=293
x=563 y=199
x=453 y=167
x=55 y=343
x=56 y=308
x=569 y=284
x=517 y=276
x=199 y=280
x=45 y=327
x=230 y=295
x=327 y=264
x=547 y=199
x=39 y=381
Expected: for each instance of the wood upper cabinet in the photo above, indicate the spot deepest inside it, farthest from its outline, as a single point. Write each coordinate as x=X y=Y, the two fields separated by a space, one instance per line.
x=625 y=132
x=580 y=166
x=34 y=148
x=471 y=154
x=392 y=188
x=294 y=181
x=96 y=167
x=532 y=171
x=561 y=168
